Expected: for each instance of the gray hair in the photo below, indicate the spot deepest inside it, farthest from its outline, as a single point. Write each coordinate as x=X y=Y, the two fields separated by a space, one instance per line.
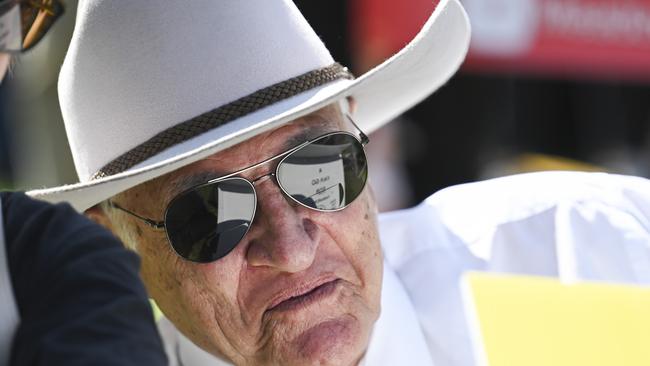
x=122 y=227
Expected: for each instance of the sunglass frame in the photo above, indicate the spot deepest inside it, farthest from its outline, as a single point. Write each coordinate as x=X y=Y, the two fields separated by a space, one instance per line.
x=284 y=155
x=362 y=139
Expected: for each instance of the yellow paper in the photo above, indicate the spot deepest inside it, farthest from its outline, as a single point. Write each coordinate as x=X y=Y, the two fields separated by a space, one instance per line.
x=539 y=321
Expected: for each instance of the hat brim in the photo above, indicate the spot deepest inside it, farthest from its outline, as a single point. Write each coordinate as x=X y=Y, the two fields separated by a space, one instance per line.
x=381 y=94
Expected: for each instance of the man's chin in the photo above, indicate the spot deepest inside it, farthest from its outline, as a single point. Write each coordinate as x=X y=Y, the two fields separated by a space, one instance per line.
x=339 y=341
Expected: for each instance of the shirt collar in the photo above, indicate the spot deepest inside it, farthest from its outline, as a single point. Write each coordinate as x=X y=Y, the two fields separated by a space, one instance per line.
x=397 y=338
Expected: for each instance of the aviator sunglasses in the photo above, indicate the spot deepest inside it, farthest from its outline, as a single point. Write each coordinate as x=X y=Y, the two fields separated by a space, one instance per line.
x=23 y=23
x=204 y=223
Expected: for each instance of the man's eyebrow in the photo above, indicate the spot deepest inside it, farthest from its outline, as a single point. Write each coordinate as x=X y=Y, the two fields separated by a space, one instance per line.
x=317 y=127
x=181 y=183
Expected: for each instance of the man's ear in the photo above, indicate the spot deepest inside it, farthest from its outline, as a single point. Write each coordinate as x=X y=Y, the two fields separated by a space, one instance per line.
x=98 y=215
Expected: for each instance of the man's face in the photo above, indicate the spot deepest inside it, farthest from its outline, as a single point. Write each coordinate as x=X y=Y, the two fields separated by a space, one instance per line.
x=302 y=287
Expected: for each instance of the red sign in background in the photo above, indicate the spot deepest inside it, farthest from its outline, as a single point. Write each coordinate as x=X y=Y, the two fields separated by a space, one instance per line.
x=585 y=38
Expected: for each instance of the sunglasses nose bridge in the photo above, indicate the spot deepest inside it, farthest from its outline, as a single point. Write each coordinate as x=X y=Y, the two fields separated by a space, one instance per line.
x=265 y=177
x=268 y=175
x=273 y=176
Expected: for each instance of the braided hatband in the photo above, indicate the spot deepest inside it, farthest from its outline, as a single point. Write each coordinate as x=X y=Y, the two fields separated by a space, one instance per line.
x=224 y=114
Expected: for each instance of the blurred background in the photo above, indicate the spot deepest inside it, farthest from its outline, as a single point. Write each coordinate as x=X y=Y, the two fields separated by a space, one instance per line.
x=548 y=85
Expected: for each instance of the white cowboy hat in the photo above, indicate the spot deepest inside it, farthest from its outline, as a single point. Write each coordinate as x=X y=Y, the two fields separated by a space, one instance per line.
x=149 y=86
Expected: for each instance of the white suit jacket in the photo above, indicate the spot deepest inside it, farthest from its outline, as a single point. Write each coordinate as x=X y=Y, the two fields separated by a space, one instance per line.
x=575 y=226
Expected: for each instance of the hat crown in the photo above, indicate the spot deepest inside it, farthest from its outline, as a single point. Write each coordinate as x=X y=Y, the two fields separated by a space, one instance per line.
x=136 y=68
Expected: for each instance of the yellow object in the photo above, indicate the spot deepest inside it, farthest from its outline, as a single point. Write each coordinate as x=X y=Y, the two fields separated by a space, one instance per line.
x=157 y=314
x=535 y=321
x=527 y=163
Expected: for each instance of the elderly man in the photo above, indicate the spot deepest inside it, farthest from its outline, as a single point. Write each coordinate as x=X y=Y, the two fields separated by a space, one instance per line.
x=221 y=142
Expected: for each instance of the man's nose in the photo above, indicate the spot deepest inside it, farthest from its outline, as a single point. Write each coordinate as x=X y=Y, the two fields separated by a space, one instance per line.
x=283 y=236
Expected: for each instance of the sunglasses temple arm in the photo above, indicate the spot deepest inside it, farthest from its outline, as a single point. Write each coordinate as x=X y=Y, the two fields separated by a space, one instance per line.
x=364 y=138
x=150 y=222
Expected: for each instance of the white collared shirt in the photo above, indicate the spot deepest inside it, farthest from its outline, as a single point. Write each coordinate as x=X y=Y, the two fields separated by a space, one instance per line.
x=575 y=226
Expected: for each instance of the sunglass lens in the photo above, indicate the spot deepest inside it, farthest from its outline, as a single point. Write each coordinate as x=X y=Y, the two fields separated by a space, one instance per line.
x=327 y=174
x=206 y=223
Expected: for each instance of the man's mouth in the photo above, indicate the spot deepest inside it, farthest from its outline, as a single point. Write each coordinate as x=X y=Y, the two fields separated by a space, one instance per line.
x=306 y=298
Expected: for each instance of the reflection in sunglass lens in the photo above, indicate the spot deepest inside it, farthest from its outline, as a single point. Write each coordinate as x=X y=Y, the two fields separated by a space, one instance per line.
x=207 y=222
x=327 y=174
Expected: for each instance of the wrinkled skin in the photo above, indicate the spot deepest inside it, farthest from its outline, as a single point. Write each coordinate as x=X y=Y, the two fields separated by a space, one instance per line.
x=223 y=306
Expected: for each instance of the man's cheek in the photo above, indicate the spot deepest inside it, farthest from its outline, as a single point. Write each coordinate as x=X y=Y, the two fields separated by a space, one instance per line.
x=352 y=216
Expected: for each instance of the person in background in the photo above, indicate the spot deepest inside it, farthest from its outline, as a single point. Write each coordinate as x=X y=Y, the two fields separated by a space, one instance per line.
x=70 y=294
